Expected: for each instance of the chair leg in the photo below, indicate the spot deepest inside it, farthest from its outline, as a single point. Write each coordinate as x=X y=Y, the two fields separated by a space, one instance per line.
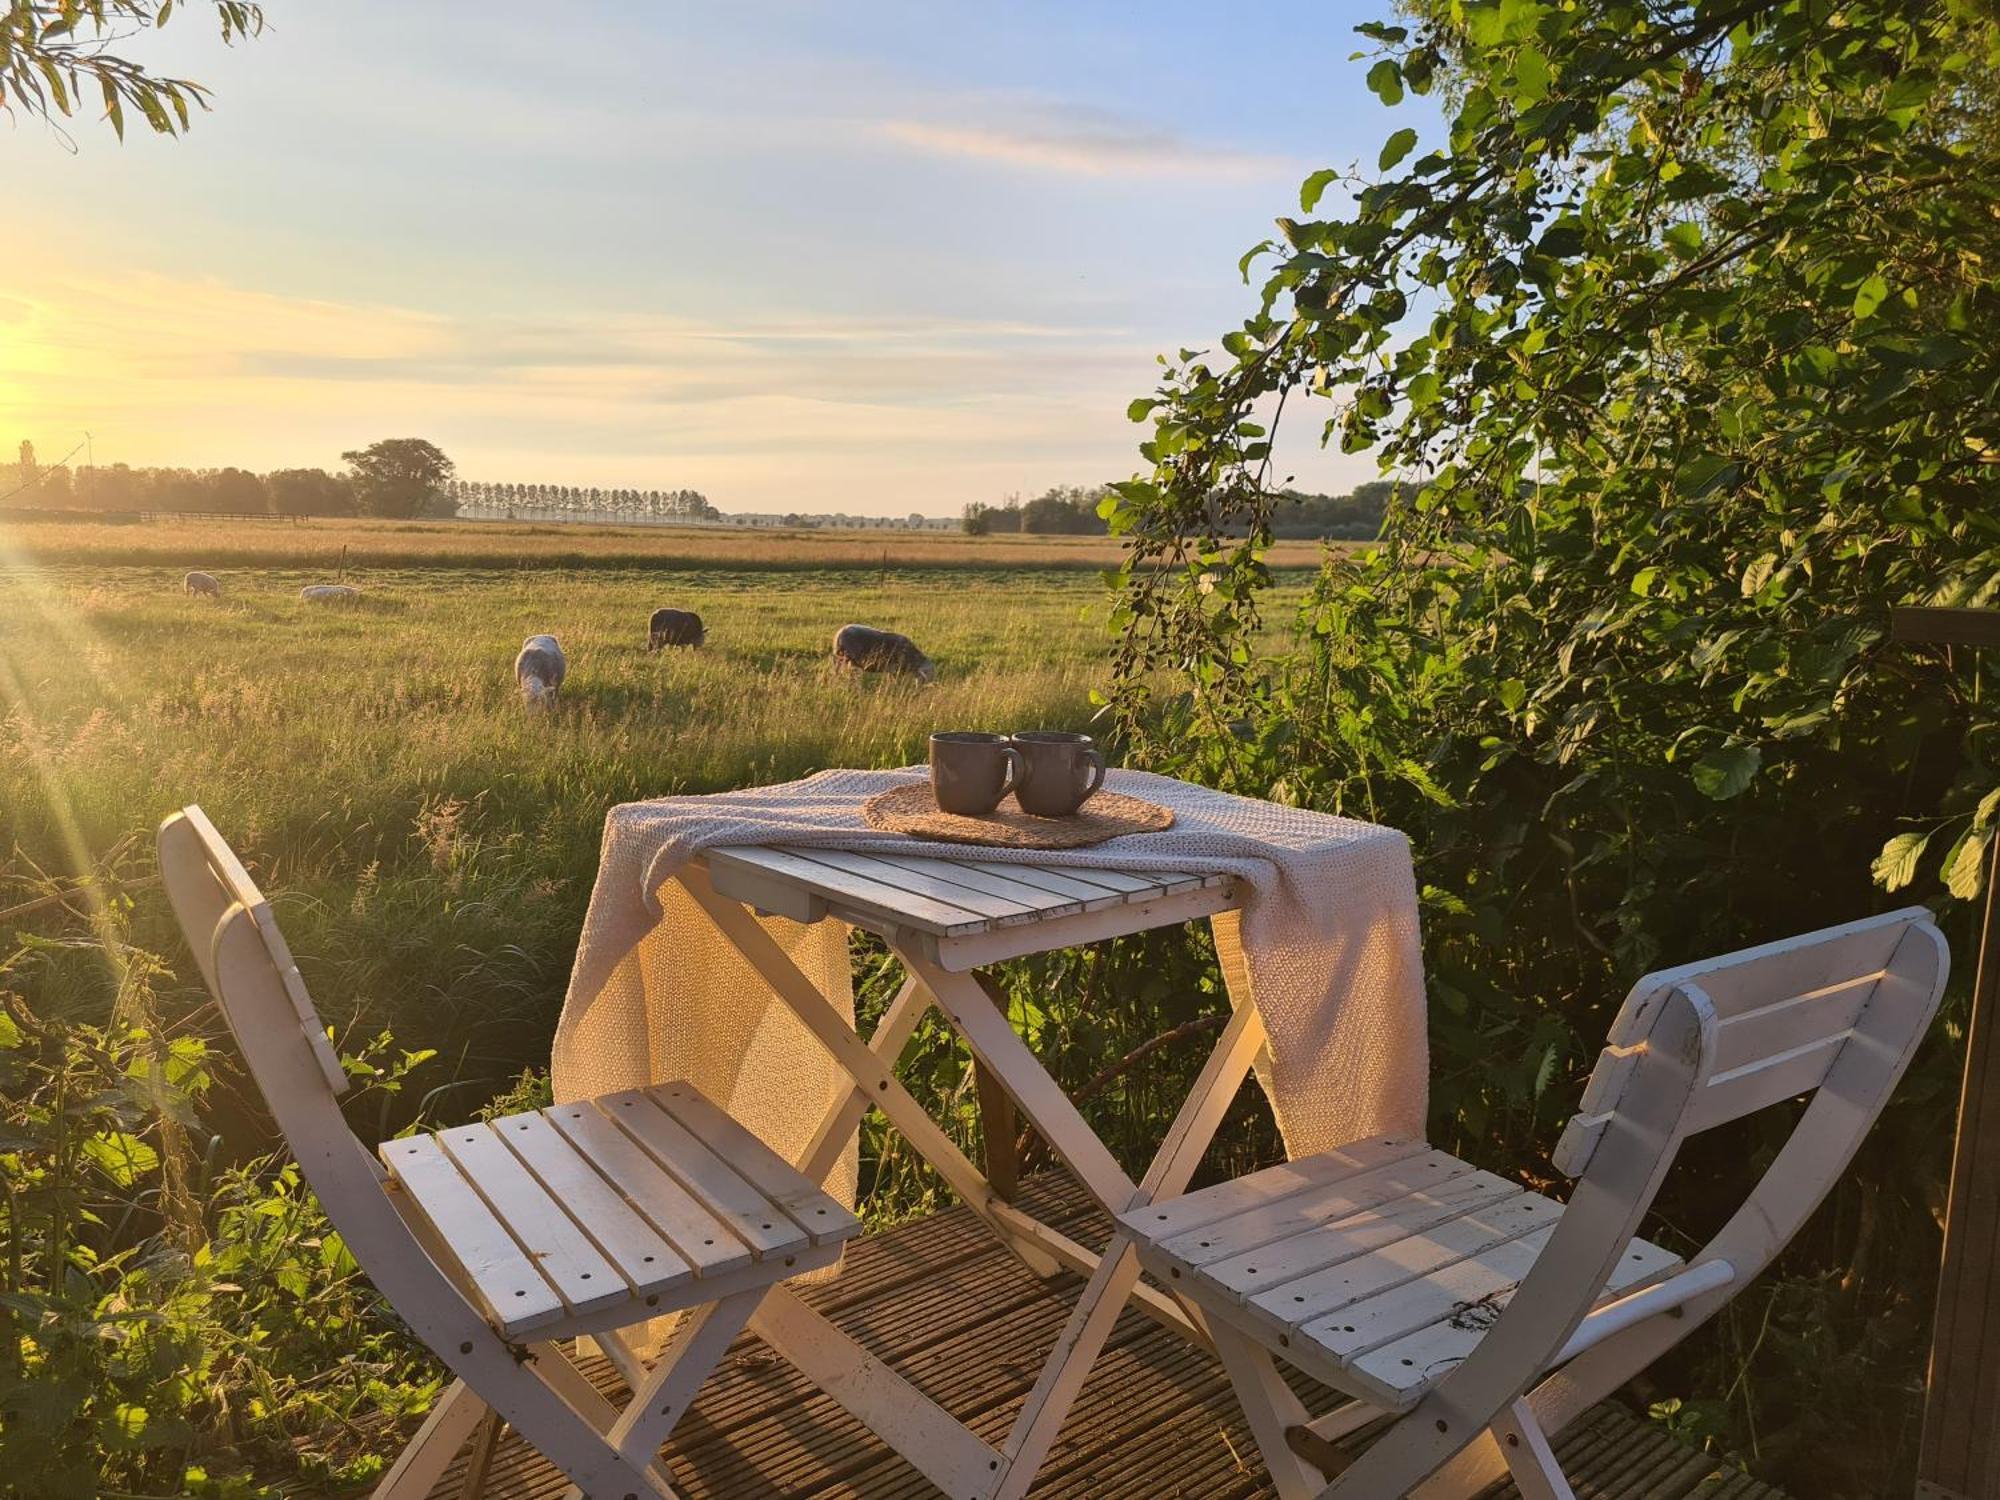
x=660 y=1400
x=484 y=1440
x=1271 y=1407
x=454 y=1417
x=1529 y=1458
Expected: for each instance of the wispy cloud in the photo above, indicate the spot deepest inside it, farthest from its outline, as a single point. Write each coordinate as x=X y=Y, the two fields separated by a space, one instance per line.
x=1084 y=144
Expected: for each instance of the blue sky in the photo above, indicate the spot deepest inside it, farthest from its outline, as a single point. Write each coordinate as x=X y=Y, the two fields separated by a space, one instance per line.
x=876 y=258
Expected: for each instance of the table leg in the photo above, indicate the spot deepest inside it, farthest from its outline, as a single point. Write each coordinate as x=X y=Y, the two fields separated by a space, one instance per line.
x=1013 y=1067
x=1117 y=1274
x=998 y=1121
x=874 y=1076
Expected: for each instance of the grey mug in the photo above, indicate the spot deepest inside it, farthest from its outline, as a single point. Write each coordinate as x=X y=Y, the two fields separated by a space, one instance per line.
x=1058 y=772
x=970 y=772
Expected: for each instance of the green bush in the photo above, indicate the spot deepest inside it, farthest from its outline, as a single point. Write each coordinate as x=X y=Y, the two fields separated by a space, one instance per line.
x=171 y=1320
x=1678 y=337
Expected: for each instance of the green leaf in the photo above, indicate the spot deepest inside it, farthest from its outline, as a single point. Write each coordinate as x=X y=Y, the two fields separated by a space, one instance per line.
x=1896 y=866
x=1684 y=239
x=1870 y=295
x=1532 y=75
x=1726 y=772
x=1399 y=145
x=1386 y=79
x=1965 y=866
x=121 y=1156
x=1314 y=187
x=1139 y=410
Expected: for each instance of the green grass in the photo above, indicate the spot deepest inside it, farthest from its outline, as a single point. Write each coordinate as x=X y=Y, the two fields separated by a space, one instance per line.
x=430 y=845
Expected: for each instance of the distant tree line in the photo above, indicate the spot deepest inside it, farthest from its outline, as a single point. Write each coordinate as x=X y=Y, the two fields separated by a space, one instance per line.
x=660 y=505
x=1071 y=510
x=399 y=477
x=1066 y=510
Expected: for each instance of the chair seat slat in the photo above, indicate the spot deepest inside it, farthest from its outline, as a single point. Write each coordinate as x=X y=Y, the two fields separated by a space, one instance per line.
x=700 y=1238
x=639 y=1250
x=1330 y=1203
x=1295 y=1303
x=822 y=1217
x=514 y=1291
x=1433 y=1351
x=543 y=1227
x=1178 y=1215
x=1373 y=1231
x=756 y=1220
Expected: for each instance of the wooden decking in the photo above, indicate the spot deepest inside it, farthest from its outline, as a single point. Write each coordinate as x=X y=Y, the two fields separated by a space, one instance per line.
x=962 y=1320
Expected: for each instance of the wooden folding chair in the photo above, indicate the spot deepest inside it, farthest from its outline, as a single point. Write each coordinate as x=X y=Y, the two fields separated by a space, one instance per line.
x=1484 y=1317
x=493 y=1241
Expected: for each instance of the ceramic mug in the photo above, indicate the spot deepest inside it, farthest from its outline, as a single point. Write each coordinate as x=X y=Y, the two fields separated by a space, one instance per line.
x=1058 y=772
x=970 y=773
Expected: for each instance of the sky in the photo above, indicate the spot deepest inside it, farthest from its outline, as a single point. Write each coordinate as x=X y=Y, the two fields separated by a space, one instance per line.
x=872 y=257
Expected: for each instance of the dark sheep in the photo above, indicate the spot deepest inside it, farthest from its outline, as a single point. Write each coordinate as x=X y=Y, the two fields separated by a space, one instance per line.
x=674 y=627
x=863 y=648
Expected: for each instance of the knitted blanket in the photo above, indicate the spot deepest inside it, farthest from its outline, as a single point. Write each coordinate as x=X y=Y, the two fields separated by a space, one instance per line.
x=1325 y=946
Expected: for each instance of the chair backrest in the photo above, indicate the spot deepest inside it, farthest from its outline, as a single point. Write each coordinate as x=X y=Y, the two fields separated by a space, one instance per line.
x=1773 y=1020
x=205 y=882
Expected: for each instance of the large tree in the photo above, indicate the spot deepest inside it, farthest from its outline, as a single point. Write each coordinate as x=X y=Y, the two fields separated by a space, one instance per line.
x=56 y=54
x=1681 y=336
x=400 y=477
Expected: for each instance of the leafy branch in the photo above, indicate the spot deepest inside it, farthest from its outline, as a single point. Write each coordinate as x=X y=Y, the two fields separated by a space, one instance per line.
x=55 y=54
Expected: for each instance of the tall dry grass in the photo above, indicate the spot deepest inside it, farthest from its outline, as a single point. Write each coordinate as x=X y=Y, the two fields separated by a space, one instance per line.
x=433 y=845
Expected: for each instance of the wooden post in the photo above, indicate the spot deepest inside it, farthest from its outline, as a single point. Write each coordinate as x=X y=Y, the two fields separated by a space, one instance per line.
x=1960 y=1455
x=997 y=1116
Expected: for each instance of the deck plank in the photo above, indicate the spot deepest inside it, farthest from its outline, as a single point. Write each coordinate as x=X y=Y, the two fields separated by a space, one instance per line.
x=967 y=1325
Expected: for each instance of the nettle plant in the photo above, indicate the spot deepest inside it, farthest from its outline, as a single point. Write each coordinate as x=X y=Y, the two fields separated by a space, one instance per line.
x=1679 y=336
x=171 y=1319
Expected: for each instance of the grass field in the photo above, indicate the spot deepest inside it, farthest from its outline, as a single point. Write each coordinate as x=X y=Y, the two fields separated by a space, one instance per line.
x=264 y=541
x=430 y=845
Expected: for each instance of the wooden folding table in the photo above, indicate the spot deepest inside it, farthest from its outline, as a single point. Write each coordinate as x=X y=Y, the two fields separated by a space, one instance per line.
x=943 y=918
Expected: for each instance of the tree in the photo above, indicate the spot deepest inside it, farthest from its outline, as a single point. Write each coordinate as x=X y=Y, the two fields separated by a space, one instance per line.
x=309 y=492
x=28 y=467
x=1066 y=510
x=54 y=52
x=236 y=491
x=1680 y=334
x=399 y=477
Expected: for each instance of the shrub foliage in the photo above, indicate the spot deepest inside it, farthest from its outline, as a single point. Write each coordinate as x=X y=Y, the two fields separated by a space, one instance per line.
x=1679 y=339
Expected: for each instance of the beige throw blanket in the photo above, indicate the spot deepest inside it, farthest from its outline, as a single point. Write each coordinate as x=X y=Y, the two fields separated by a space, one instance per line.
x=1325 y=947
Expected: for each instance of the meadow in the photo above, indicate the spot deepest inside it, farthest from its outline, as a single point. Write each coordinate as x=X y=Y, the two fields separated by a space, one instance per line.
x=429 y=844
x=273 y=541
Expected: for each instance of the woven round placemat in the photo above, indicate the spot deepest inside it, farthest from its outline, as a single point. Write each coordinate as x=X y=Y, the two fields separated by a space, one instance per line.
x=914 y=810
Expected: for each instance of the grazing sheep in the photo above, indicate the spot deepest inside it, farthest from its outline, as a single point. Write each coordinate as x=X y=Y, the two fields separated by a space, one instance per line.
x=328 y=593
x=202 y=585
x=865 y=649
x=540 y=670
x=674 y=627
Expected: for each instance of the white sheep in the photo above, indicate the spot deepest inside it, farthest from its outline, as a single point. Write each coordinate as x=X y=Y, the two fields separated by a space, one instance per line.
x=202 y=585
x=328 y=593
x=540 y=669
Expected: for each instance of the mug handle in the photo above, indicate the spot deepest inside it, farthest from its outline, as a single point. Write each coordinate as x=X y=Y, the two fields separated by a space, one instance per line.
x=1013 y=777
x=1096 y=775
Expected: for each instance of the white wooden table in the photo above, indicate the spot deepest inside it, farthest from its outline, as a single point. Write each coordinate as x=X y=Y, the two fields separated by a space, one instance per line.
x=943 y=918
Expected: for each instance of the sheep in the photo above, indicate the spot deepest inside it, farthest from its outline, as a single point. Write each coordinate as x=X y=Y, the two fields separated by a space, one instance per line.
x=201 y=585
x=674 y=627
x=866 y=649
x=540 y=670
x=328 y=593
